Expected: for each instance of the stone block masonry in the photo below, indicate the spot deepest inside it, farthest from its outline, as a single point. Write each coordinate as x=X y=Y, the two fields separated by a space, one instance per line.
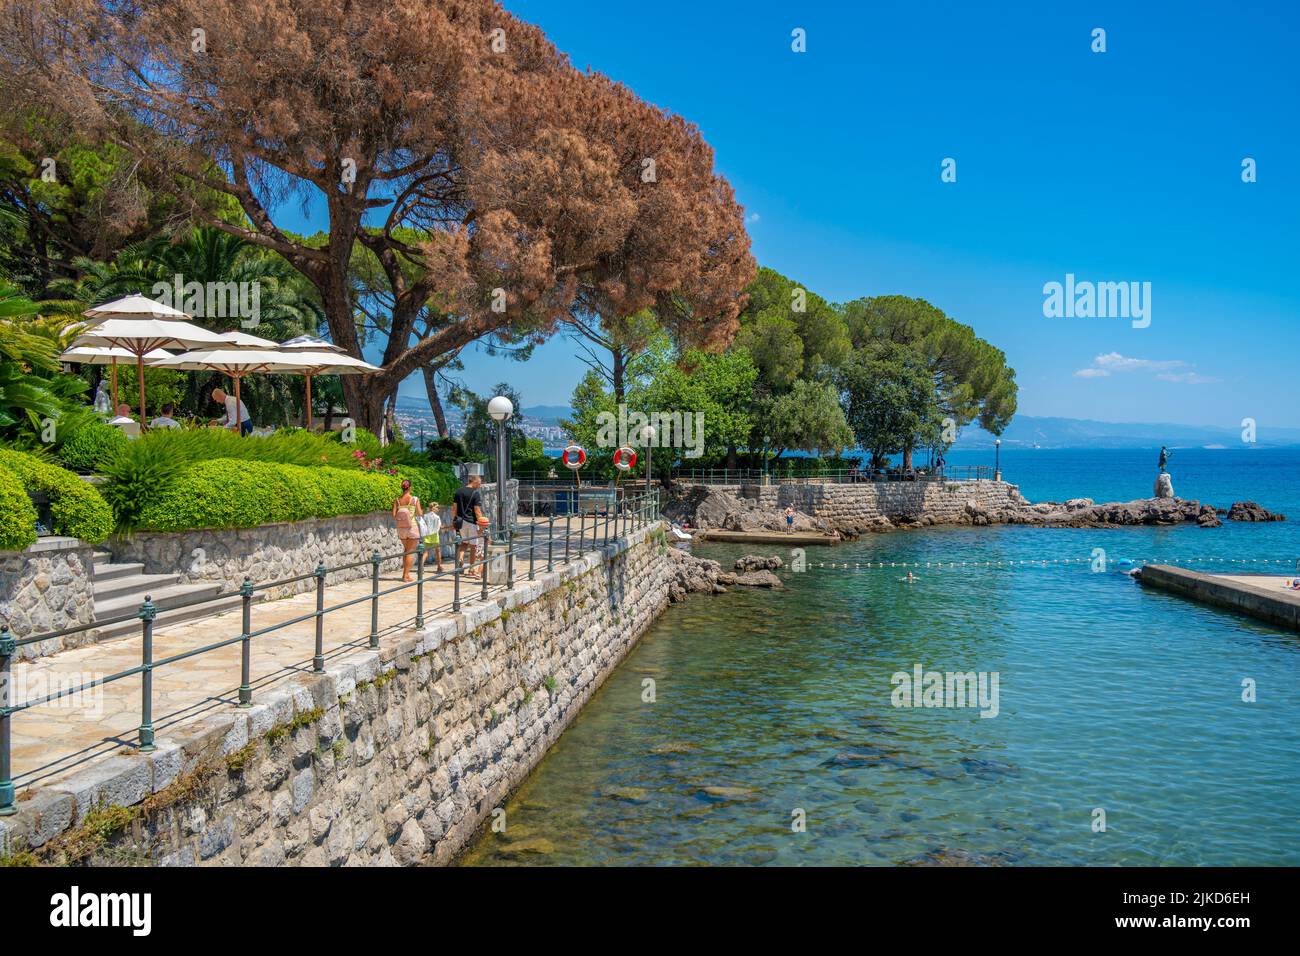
x=391 y=757
x=867 y=506
x=273 y=552
x=47 y=587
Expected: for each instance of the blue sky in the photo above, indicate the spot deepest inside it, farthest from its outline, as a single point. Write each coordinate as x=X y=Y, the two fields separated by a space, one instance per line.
x=1115 y=166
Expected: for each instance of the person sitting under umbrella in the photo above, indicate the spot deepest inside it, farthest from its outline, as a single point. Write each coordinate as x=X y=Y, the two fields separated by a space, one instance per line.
x=128 y=425
x=236 y=417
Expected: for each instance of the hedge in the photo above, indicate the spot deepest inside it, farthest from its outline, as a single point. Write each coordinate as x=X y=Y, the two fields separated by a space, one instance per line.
x=231 y=493
x=89 y=444
x=17 y=516
x=76 y=508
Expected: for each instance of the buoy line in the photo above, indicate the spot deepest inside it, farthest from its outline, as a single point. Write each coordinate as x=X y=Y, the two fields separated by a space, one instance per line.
x=1034 y=562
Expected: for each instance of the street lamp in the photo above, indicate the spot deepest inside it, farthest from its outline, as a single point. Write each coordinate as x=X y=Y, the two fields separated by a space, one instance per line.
x=500 y=409
x=767 y=441
x=997 y=463
x=647 y=437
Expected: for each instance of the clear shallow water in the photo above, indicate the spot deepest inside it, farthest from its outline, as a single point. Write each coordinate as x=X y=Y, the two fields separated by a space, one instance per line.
x=1110 y=696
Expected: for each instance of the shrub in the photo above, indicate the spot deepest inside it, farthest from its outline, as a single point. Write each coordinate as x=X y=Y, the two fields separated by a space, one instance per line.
x=230 y=493
x=90 y=443
x=450 y=451
x=17 y=516
x=76 y=508
x=140 y=470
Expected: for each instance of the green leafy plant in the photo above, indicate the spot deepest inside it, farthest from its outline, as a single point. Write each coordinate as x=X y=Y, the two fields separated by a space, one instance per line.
x=76 y=508
x=17 y=516
x=229 y=493
x=89 y=444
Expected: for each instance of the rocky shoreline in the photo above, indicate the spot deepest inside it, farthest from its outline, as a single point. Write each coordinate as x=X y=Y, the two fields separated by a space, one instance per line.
x=692 y=575
x=698 y=507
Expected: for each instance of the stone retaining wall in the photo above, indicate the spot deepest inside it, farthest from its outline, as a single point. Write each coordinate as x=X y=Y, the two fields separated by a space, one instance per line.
x=272 y=552
x=47 y=588
x=269 y=552
x=391 y=757
x=860 y=506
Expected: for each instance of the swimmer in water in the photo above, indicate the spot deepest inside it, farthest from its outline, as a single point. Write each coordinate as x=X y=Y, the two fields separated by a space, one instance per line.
x=911 y=578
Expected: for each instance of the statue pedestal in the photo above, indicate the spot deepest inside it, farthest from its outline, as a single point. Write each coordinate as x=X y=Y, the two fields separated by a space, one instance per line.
x=1164 y=486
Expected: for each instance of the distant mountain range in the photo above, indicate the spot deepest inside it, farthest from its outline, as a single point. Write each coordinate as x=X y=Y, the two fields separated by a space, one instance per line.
x=1029 y=431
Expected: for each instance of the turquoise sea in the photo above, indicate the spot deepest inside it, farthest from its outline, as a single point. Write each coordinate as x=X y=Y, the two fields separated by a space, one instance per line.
x=774 y=708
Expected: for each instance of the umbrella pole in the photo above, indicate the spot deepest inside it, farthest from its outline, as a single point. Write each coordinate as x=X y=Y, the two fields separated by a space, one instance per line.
x=139 y=371
x=239 y=425
x=113 y=381
x=309 y=401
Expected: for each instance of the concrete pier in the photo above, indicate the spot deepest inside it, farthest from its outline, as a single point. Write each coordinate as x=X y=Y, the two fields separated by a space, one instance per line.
x=1264 y=596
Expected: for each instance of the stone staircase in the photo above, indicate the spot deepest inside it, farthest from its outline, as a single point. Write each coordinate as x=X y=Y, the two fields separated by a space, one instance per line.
x=120 y=588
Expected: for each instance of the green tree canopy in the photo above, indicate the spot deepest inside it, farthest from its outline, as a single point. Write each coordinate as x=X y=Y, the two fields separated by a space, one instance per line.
x=971 y=379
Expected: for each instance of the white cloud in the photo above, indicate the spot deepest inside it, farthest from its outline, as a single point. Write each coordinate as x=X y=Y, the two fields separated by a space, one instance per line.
x=753 y=217
x=1112 y=362
x=1120 y=363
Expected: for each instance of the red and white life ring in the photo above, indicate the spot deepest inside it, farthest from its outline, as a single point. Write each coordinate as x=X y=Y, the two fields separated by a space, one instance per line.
x=625 y=458
x=574 y=457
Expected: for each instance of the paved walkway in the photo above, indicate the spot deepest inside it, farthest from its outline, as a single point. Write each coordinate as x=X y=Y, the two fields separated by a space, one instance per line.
x=53 y=739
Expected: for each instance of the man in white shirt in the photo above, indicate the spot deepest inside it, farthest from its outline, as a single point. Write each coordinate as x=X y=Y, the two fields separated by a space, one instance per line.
x=165 y=420
x=236 y=417
x=128 y=425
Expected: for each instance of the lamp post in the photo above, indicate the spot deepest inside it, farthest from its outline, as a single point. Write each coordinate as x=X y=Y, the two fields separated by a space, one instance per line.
x=997 y=462
x=767 y=441
x=500 y=409
x=647 y=436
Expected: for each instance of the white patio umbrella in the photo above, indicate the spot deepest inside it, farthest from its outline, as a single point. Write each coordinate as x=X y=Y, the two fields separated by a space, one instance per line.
x=236 y=363
x=141 y=325
x=327 y=363
x=107 y=355
x=309 y=343
x=242 y=340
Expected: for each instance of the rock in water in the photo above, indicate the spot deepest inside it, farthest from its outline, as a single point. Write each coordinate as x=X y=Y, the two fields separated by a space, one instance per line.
x=750 y=579
x=756 y=562
x=1249 y=511
x=1209 y=517
x=1164 y=486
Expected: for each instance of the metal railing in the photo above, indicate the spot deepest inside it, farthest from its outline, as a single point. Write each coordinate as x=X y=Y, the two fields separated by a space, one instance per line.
x=567 y=538
x=744 y=476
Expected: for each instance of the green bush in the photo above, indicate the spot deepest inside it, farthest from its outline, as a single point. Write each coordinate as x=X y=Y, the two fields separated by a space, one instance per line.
x=450 y=451
x=230 y=493
x=142 y=469
x=89 y=444
x=17 y=516
x=77 y=508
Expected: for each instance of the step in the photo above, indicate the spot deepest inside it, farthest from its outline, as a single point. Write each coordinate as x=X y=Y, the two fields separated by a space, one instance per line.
x=137 y=584
x=167 y=619
x=168 y=596
x=105 y=570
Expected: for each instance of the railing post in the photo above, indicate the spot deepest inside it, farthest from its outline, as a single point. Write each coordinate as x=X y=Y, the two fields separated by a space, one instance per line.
x=484 y=568
x=568 y=521
x=374 y=599
x=419 y=583
x=510 y=557
x=605 y=543
x=455 y=571
x=147 y=614
x=245 y=646
x=8 y=646
x=318 y=661
x=550 y=543
x=532 y=548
